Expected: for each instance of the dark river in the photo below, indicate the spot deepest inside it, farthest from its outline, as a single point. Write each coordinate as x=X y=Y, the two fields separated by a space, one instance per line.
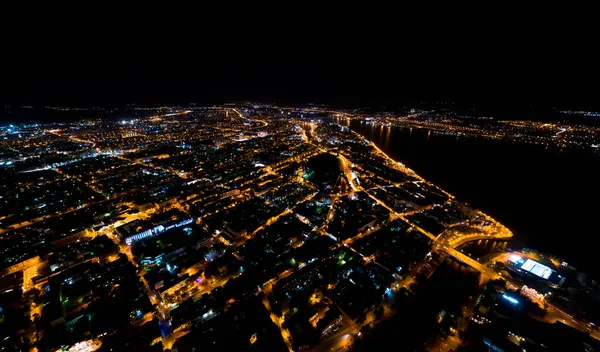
x=548 y=198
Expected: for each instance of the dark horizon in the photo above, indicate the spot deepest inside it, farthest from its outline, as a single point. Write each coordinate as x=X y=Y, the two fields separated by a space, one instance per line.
x=471 y=61
x=486 y=79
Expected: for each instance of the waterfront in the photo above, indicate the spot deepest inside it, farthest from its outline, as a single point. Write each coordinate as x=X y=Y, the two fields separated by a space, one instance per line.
x=546 y=197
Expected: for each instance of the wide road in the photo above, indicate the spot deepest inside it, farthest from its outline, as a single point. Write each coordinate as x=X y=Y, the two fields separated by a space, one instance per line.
x=487 y=272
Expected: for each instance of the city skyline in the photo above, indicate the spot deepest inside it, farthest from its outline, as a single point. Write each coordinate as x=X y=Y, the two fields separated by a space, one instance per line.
x=268 y=227
x=309 y=182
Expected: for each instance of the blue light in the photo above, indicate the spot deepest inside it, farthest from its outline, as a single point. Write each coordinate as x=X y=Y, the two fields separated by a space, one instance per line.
x=510 y=299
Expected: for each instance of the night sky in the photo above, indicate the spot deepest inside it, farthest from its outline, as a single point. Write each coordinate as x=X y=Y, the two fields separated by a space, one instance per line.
x=346 y=65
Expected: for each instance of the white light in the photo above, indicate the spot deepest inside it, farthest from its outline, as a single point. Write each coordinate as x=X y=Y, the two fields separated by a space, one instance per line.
x=515 y=258
x=510 y=299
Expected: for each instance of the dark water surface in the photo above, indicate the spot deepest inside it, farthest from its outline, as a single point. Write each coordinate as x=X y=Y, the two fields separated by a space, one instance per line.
x=548 y=198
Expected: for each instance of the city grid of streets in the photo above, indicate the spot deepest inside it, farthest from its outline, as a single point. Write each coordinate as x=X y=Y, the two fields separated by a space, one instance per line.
x=211 y=207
